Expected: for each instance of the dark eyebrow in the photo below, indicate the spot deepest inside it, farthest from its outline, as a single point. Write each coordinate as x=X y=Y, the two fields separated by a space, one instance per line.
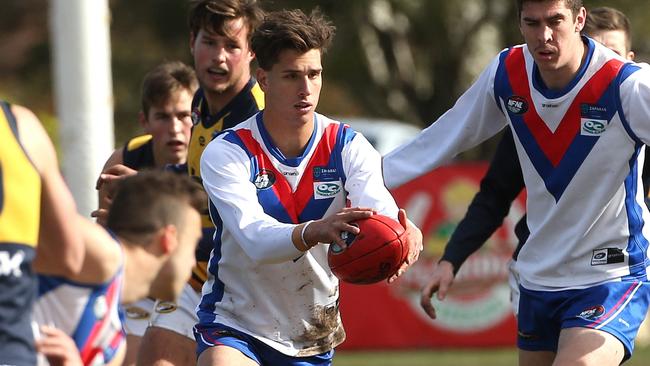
x=554 y=17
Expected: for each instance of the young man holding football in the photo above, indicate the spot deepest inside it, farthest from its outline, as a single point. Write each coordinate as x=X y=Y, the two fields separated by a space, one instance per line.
x=271 y=298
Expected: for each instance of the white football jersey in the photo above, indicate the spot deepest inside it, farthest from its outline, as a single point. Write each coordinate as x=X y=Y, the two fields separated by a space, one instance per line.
x=581 y=153
x=259 y=283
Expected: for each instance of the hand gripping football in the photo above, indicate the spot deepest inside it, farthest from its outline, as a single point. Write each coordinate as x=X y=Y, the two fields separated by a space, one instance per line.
x=375 y=254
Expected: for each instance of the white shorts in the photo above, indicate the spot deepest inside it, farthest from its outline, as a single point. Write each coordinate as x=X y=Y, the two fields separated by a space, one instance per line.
x=179 y=317
x=138 y=316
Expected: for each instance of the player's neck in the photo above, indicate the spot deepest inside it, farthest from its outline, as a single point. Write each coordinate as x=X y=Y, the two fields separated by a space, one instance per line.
x=559 y=78
x=137 y=281
x=219 y=100
x=290 y=137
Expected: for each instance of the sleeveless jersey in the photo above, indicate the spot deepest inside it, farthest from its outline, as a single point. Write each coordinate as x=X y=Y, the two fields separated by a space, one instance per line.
x=205 y=126
x=581 y=150
x=20 y=194
x=89 y=313
x=259 y=283
x=138 y=153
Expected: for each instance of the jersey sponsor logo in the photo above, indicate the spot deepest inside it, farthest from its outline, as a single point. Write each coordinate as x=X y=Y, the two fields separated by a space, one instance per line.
x=517 y=104
x=593 y=111
x=10 y=264
x=292 y=173
x=264 y=179
x=592 y=127
x=202 y=140
x=607 y=256
x=592 y=313
x=324 y=190
x=323 y=173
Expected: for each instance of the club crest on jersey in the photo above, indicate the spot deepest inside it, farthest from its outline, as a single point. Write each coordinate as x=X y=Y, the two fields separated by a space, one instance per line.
x=592 y=313
x=517 y=105
x=264 y=179
x=324 y=190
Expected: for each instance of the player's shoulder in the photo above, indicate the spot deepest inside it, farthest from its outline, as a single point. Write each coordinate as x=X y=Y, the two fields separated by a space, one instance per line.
x=33 y=137
x=138 y=142
x=235 y=137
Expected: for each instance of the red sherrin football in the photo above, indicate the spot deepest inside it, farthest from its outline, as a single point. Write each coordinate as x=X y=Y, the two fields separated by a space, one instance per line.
x=373 y=255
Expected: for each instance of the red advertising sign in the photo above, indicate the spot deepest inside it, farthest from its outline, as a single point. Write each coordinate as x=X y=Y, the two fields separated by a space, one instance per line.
x=477 y=310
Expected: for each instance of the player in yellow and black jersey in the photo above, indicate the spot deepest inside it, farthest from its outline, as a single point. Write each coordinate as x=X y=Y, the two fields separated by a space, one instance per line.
x=205 y=126
x=167 y=92
x=34 y=204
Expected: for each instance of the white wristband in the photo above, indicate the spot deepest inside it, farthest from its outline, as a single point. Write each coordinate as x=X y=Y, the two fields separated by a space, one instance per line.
x=302 y=235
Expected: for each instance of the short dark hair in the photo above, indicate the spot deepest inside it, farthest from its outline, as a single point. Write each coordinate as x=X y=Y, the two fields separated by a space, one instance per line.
x=212 y=15
x=164 y=80
x=607 y=19
x=293 y=30
x=150 y=200
x=574 y=5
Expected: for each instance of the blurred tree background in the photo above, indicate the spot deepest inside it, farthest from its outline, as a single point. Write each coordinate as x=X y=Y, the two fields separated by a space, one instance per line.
x=401 y=59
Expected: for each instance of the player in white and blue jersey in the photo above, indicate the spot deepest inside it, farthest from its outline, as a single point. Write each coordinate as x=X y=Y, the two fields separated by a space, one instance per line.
x=578 y=113
x=280 y=185
x=155 y=225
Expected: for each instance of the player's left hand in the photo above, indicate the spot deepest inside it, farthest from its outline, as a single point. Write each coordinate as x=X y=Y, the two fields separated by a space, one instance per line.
x=413 y=237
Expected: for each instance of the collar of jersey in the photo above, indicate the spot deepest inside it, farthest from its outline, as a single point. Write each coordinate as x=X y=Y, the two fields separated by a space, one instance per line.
x=208 y=119
x=539 y=85
x=266 y=138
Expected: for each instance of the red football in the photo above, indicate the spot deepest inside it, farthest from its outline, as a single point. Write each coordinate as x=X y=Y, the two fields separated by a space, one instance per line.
x=371 y=256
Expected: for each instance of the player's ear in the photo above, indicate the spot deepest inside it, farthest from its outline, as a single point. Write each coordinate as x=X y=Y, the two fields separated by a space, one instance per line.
x=630 y=55
x=168 y=239
x=192 y=40
x=581 y=18
x=262 y=78
x=142 y=118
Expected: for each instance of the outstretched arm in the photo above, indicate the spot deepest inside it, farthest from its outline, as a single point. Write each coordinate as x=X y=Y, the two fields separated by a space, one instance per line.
x=501 y=185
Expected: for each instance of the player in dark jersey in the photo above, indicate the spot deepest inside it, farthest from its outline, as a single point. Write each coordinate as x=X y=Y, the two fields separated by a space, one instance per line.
x=219 y=41
x=34 y=206
x=165 y=117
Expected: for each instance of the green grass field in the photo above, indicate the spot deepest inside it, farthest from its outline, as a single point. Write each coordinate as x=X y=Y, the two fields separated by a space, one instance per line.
x=463 y=357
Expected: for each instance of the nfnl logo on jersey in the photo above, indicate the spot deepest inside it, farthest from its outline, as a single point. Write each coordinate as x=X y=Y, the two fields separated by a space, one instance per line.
x=324 y=190
x=517 y=104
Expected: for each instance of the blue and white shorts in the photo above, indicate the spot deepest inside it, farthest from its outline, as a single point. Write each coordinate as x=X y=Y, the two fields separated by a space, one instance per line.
x=212 y=335
x=617 y=308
